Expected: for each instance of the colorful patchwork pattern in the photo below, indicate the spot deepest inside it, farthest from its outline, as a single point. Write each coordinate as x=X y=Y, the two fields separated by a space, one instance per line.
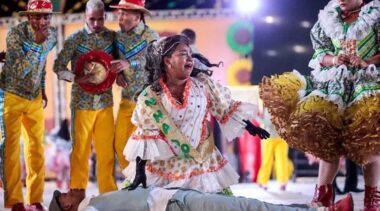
x=76 y=45
x=24 y=69
x=132 y=47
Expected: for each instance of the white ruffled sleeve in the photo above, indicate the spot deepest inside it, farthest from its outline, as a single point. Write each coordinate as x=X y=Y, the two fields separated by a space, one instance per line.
x=146 y=141
x=322 y=46
x=228 y=112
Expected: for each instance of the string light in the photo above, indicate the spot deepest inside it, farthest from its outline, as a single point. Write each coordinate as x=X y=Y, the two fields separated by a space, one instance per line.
x=247 y=6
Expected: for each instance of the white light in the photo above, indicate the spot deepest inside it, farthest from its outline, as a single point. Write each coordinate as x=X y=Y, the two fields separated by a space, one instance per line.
x=271 y=53
x=269 y=19
x=306 y=24
x=299 y=49
x=247 y=6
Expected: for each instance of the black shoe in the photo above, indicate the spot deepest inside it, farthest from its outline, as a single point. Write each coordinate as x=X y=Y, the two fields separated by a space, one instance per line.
x=337 y=190
x=354 y=190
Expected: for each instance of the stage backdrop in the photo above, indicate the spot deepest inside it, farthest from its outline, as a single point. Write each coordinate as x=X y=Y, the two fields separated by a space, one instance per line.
x=211 y=27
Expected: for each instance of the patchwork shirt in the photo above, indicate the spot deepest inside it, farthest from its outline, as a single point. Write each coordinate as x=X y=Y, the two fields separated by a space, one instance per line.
x=24 y=72
x=75 y=46
x=132 y=46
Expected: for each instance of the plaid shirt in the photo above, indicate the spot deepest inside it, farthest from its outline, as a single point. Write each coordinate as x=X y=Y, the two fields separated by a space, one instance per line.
x=24 y=69
x=76 y=45
x=132 y=46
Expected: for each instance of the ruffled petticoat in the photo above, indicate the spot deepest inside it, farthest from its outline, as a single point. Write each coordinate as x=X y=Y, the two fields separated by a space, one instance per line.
x=334 y=112
x=213 y=175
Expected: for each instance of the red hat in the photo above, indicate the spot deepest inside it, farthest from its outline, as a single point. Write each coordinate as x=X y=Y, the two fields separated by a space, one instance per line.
x=103 y=78
x=132 y=5
x=38 y=7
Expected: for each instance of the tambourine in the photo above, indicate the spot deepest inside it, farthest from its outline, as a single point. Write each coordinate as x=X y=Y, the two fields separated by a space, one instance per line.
x=99 y=63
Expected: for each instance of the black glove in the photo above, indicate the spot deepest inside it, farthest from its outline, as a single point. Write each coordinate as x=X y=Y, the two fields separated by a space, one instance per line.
x=140 y=177
x=253 y=130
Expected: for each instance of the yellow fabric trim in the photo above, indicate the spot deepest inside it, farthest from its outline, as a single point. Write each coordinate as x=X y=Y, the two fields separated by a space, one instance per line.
x=288 y=85
x=320 y=105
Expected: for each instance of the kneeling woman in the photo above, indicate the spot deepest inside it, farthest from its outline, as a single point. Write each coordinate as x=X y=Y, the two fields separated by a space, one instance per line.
x=173 y=138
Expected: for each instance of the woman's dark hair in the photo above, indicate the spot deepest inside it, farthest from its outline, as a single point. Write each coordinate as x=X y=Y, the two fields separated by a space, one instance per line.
x=171 y=43
x=156 y=53
x=190 y=34
x=204 y=61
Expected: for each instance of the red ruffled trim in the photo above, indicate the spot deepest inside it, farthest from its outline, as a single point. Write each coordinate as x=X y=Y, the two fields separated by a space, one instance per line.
x=233 y=109
x=172 y=100
x=172 y=176
x=147 y=137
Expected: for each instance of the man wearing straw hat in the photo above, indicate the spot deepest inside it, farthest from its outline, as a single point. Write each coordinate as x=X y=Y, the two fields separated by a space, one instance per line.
x=22 y=99
x=92 y=113
x=132 y=40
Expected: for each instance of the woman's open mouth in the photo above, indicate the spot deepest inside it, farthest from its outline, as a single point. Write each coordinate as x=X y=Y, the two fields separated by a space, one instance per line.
x=189 y=65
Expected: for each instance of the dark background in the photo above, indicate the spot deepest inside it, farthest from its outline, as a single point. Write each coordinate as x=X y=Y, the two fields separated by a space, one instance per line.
x=282 y=36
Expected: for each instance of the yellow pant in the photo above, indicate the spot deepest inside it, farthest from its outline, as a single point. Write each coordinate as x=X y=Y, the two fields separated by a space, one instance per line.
x=124 y=129
x=96 y=125
x=16 y=112
x=274 y=149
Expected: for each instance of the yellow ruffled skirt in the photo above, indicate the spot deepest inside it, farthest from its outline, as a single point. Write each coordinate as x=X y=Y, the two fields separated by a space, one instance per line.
x=316 y=125
x=362 y=129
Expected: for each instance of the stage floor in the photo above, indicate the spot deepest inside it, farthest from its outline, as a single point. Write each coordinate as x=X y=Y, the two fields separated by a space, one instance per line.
x=299 y=192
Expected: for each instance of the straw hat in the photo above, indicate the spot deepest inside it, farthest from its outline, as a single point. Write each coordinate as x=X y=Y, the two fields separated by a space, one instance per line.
x=132 y=5
x=38 y=7
x=101 y=67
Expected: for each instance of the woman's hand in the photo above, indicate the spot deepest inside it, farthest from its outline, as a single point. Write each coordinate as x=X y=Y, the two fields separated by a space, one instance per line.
x=253 y=130
x=339 y=60
x=356 y=61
